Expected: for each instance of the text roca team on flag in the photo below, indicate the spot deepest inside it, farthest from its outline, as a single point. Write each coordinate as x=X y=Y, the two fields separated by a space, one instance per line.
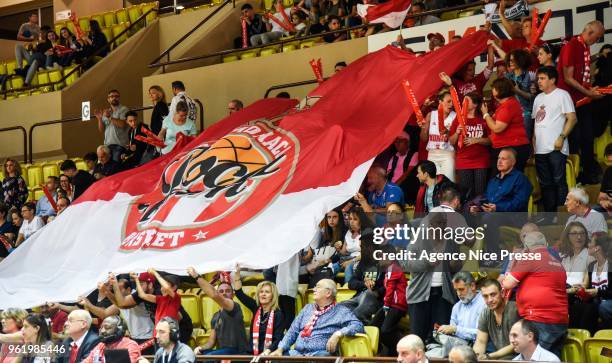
x=251 y=189
x=391 y=13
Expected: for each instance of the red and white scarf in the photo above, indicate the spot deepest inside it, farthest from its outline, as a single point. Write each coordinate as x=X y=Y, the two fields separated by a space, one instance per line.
x=586 y=74
x=269 y=329
x=313 y=319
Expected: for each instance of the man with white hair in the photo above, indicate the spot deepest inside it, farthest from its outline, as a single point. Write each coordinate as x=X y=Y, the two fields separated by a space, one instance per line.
x=544 y=276
x=577 y=204
x=106 y=165
x=317 y=330
x=462 y=354
x=410 y=349
x=403 y=161
x=81 y=340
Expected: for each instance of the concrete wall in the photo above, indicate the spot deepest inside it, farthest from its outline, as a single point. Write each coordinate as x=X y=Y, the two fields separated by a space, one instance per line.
x=249 y=79
x=87 y=7
x=7 y=49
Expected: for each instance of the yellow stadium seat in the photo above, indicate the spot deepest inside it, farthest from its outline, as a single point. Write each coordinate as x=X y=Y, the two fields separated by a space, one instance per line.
x=307 y=44
x=35 y=175
x=1 y=175
x=23 y=94
x=38 y=193
x=268 y=51
x=2 y=68
x=230 y=58
x=603 y=334
x=71 y=27
x=449 y=15
x=55 y=76
x=73 y=77
x=466 y=13
x=109 y=19
x=575 y=158
x=288 y=48
x=530 y=173
x=134 y=13
x=10 y=97
x=38 y=92
x=191 y=304
x=570 y=177
x=84 y=24
x=10 y=67
x=58 y=27
x=30 y=195
x=17 y=82
x=252 y=279
x=122 y=16
x=50 y=169
x=580 y=334
x=356 y=346
x=593 y=348
x=250 y=291
x=373 y=334
x=288 y=3
x=572 y=351
x=344 y=294
x=249 y=54
x=268 y=4
x=153 y=14
x=100 y=19
x=81 y=165
x=117 y=29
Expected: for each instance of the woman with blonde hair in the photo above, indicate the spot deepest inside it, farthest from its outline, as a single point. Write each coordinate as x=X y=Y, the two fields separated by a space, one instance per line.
x=12 y=322
x=267 y=325
x=14 y=186
x=160 y=108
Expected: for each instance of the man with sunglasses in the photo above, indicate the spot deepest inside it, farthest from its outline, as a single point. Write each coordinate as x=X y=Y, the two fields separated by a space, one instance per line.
x=111 y=122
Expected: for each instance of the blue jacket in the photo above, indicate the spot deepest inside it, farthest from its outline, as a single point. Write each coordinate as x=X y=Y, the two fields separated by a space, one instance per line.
x=510 y=194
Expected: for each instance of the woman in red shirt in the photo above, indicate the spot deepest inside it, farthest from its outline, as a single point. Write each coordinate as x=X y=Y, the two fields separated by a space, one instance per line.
x=472 y=159
x=506 y=125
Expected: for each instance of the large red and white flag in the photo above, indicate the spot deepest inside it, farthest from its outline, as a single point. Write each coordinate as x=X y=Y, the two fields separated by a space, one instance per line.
x=251 y=189
x=391 y=13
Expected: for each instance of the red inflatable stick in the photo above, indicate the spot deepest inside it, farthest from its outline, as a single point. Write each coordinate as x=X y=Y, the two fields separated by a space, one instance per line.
x=538 y=31
x=461 y=113
x=414 y=103
x=317 y=69
x=280 y=23
x=286 y=20
x=50 y=198
x=150 y=141
x=587 y=100
x=77 y=27
x=245 y=42
x=149 y=133
x=441 y=127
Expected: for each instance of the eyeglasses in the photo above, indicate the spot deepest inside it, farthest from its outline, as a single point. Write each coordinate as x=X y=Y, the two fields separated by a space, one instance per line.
x=576 y=233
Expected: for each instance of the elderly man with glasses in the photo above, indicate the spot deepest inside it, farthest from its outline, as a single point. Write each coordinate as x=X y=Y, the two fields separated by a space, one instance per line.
x=81 y=340
x=317 y=330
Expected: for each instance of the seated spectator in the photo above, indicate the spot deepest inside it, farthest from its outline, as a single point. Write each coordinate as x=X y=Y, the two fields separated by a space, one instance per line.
x=268 y=320
x=432 y=185
x=495 y=322
x=394 y=302
x=106 y=165
x=577 y=204
x=349 y=248
x=14 y=186
x=178 y=124
x=44 y=208
x=473 y=159
x=464 y=316
x=70 y=50
x=12 y=323
x=170 y=348
x=66 y=190
x=6 y=225
x=575 y=256
x=525 y=338
x=396 y=218
x=57 y=317
x=62 y=204
x=160 y=108
x=254 y=25
x=462 y=354
x=339 y=66
x=17 y=221
x=605 y=193
x=227 y=323
x=418 y=8
x=506 y=125
x=112 y=336
x=547 y=55
x=138 y=152
x=435 y=133
x=36 y=333
x=317 y=330
x=323 y=251
x=273 y=30
x=31 y=223
x=168 y=302
x=94 y=41
x=234 y=106
x=538 y=278
x=381 y=193
x=90 y=159
x=81 y=339
x=28 y=32
x=111 y=122
x=334 y=23
x=410 y=349
x=50 y=50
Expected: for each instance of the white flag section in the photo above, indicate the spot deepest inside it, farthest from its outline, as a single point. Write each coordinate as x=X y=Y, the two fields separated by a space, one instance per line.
x=392 y=13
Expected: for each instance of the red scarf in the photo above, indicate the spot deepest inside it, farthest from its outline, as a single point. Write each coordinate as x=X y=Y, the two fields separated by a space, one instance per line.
x=586 y=74
x=269 y=328
x=313 y=319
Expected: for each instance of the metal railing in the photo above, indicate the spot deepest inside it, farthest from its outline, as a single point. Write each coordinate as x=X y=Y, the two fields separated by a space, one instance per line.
x=30 y=141
x=86 y=61
x=25 y=139
x=282 y=42
x=166 y=53
x=289 y=85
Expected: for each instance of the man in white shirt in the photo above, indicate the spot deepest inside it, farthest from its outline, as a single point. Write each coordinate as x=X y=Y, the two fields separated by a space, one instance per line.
x=524 y=339
x=31 y=222
x=577 y=204
x=178 y=90
x=555 y=117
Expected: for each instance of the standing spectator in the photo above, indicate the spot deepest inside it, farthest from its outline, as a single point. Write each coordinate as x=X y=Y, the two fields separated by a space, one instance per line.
x=106 y=165
x=317 y=330
x=577 y=204
x=28 y=32
x=228 y=325
x=506 y=125
x=535 y=279
x=436 y=132
x=170 y=348
x=168 y=302
x=90 y=159
x=31 y=223
x=44 y=208
x=334 y=23
x=234 y=106
x=13 y=185
x=418 y=8
x=547 y=56
x=254 y=24
x=555 y=118
x=136 y=149
x=81 y=339
x=575 y=77
x=472 y=159
x=57 y=316
x=436 y=40
x=112 y=336
x=495 y=323
x=266 y=329
x=410 y=349
x=466 y=81
x=575 y=257
x=160 y=108
x=111 y=122
x=525 y=337
x=403 y=161
x=178 y=90
x=432 y=184
x=519 y=61
x=179 y=123
x=80 y=179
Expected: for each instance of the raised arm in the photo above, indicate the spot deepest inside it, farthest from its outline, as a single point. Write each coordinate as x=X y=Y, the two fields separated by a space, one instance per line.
x=165 y=285
x=101 y=313
x=210 y=291
x=123 y=302
x=141 y=293
x=248 y=301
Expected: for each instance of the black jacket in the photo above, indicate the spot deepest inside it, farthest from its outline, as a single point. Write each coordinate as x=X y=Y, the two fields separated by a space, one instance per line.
x=81 y=181
x=605 y=293
x=277 y=329
x=89 y=343
x=356 y=283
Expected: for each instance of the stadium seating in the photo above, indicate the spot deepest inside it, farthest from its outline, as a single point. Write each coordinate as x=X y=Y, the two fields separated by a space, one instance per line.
x=191 y=305
x=356 y=346
x=373 y=334
x=572 y=350
x=593 y=348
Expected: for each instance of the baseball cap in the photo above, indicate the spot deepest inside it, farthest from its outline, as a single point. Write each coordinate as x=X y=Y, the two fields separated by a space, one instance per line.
x=146 y=277
x=437 y=36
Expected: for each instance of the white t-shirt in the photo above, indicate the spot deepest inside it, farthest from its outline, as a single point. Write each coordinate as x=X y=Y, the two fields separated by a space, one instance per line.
x=353 y=245
x=549 y=113
x=138 y=321
x=279 y=17
x=593 y=221
x=435 y=141
x=576 y=267
x=600 y=280
x=29 y=228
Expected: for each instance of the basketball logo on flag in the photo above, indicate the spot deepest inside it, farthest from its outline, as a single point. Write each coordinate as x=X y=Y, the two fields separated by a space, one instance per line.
x=223 y=185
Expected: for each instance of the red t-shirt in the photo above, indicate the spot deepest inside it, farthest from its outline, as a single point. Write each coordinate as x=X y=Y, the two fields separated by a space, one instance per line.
x=541 y=295
x=473 y=156
x=475 y=85
x=572 y=55
x=57 y=321
x=167 y=306
x=511 y=113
